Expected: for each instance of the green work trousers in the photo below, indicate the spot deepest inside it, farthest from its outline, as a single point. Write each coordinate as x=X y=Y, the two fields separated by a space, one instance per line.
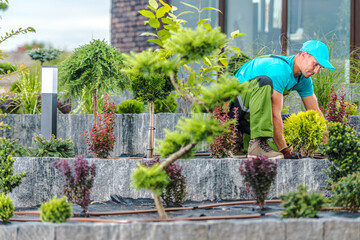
x=254 y=109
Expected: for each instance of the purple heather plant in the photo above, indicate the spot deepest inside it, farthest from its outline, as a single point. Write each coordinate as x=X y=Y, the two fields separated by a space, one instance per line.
x=258 y=173
x=223 y=143
x=77 y=186
x=175 y=191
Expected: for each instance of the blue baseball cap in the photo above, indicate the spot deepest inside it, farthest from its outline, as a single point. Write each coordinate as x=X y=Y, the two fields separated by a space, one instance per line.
x=320 y=52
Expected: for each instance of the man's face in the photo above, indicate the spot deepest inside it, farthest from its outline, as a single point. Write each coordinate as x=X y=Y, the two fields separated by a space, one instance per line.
x=310 y=66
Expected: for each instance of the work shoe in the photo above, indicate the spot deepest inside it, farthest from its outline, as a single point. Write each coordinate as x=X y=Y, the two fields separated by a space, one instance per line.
x=260 y=146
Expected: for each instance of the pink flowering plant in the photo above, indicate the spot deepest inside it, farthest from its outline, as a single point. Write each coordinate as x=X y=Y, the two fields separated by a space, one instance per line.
x=337 y=109
x=101 y=139
x=259 y=174
x=77 y=186
x=223 y=143
x=175 y=191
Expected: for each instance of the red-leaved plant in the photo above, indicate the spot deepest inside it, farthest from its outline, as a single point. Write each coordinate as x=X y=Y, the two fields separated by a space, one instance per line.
x=336 y=113
x=77 y=186
x=175 y=191
x=225 y=142
x=102 y=138
x=259 y=174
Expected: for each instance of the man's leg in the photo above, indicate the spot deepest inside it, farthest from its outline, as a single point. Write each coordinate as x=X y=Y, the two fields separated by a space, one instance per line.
x=261 y=126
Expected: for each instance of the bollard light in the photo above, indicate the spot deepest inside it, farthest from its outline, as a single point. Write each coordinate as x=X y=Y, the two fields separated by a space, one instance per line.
x=49 y=101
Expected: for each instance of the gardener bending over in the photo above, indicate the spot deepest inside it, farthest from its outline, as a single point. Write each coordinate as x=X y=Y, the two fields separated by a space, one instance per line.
x=269 y=79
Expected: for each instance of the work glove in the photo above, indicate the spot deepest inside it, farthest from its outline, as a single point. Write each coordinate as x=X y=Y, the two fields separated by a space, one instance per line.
x=289 y=154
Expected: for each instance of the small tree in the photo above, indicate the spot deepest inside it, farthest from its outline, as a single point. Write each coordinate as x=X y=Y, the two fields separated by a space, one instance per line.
x=44 y=55
x=148 y=87
x=95 y=68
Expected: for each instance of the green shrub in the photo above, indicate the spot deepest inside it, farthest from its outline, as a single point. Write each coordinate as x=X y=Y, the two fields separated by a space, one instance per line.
x=44 y=55
x=342 y=150
x=56 y=210
x=6 y=68
x=304 y=132
x=10 y=147
x=236 y=61
x=6 y=207
x=350 y=107
x=302 y=204
x=9 y=180
x=347 y=192
x=131 y=106
x=168 y=105
x=259 y=173
x=55 y=147
x=154 y=178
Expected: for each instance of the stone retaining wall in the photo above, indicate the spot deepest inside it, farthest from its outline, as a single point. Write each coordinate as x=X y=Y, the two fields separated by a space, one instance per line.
x=259 y=229
x=206 y=179
x=131 y=130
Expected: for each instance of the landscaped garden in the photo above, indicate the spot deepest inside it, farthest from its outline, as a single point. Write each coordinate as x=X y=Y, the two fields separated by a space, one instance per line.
x=80 y=175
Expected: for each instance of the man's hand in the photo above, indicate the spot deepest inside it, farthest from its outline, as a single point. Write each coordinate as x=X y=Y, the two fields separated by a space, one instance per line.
x=289 y=154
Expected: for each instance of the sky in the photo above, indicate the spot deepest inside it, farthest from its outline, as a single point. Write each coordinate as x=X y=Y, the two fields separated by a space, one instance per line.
x=65 y=24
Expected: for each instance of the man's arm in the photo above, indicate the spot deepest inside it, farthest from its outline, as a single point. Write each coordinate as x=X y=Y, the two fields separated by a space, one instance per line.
x=311 y=103
x=277 y=105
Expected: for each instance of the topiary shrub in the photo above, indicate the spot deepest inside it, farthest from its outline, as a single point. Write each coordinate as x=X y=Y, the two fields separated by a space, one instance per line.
x=56 y=210
x=6 y=208
x=259 y=174
x=168 y=105
x=77 y=186
x=130 y=106
x=43 y=55
x=55 y=147
x=304 y=132
x=302 y=204
x=342 y=150
x=175 y=191
x=347 y=192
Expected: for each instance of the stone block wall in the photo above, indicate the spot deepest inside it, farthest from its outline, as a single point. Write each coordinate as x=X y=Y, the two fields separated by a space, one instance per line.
x=127 y=25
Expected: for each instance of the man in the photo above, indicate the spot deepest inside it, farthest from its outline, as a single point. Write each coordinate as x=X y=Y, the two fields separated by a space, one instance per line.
x=267 y=80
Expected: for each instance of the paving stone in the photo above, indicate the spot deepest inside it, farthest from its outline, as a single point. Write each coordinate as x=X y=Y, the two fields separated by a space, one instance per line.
x=151 y=231
x=44 y=231
x=188 y=230
x=309 y=229
x=80 y=231
x=8 y=232
x=265 y=230
x=229 y=230
x=343 y=229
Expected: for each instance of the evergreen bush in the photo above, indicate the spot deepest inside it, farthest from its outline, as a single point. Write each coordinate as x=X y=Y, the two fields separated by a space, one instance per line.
x=347 y=192
x=54 y=147
x=302 y=204
x=342 y=150
x=8 y=180
x=130 y=106
x=168 y=105
x=56 y=210
x=304 y=132
x=6 y=207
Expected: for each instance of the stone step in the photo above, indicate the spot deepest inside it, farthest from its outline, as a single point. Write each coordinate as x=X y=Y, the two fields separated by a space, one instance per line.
x=206 y=179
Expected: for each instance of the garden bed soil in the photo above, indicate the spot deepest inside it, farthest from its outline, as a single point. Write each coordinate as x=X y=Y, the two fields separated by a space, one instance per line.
x=118 y=204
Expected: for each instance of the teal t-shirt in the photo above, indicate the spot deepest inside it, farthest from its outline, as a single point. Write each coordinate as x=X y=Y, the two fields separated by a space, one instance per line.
x=279 y=71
